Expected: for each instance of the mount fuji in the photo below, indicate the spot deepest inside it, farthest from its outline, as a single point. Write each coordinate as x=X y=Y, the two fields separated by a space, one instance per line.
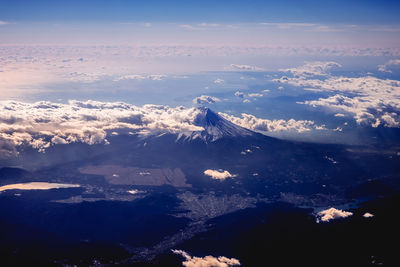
x=215 y=127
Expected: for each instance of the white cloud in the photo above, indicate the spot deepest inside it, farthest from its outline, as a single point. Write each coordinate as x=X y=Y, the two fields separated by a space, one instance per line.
x=245 y=67
x=154 y=77
x=245 y=152
x=206 y=99
x=207 y=261
x=239 y=94
x=43 y=124
x=369 y=99
x=219 y=81
x=339 y=115
x=332 y=214
x=318 y=68
x=85 y=77
x=288 y=25
x=187 y=26
x=204 y=24
x=255 y=95
x=219 y=175
x=368 y=215
x=247 y=101
x=388 y=65
x=365 y=109
x=264 y=125
x=36 y=186
x=135 y=191
x=2 y=22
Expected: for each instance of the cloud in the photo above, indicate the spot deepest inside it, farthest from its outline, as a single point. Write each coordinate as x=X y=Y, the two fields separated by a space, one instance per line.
x=85 y=77
x=388 y=65
x=264 y=125
x=370 y=100
x=207 y=261
x=368 y=215
x=373 y=111
x=135 y=191
x=332 y=214
x=255 y=95
x=2 y=22
x=239 y=94
x=339 y=115
x=317 y=68
x=206 y=99
x=219 y=81
x=208 y=24
x=247 y=101
x=290 y=25
x=37 y=186
x=187 y=26
x=246 y=67
x=154 y=77
x=43 y=124
x=41 y=69
x=219 y=175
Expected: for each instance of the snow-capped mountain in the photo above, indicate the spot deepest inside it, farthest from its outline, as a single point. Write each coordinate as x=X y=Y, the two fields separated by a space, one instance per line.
x=215 y=127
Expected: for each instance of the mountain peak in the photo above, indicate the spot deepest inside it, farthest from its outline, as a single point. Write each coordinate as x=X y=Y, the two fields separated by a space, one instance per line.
x=207 y=117
x=216 y=127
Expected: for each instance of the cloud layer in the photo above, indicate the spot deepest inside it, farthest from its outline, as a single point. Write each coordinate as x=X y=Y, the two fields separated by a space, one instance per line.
x=317 y=68
x=43 y=124
x=264 y=125
x=207 y=261
x=370 y=100
x=245 y=67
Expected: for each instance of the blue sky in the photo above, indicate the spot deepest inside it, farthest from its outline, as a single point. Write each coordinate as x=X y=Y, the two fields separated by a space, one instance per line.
x=315 y=11
x=304 y=23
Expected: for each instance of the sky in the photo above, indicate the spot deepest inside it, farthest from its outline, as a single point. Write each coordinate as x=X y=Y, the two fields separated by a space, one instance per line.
x=326 y=67
x=205 y=22
x=340 y=11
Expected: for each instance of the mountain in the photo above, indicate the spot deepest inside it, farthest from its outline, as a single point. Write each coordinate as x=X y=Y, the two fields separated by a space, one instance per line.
x=219 y=187
x=215 y=127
